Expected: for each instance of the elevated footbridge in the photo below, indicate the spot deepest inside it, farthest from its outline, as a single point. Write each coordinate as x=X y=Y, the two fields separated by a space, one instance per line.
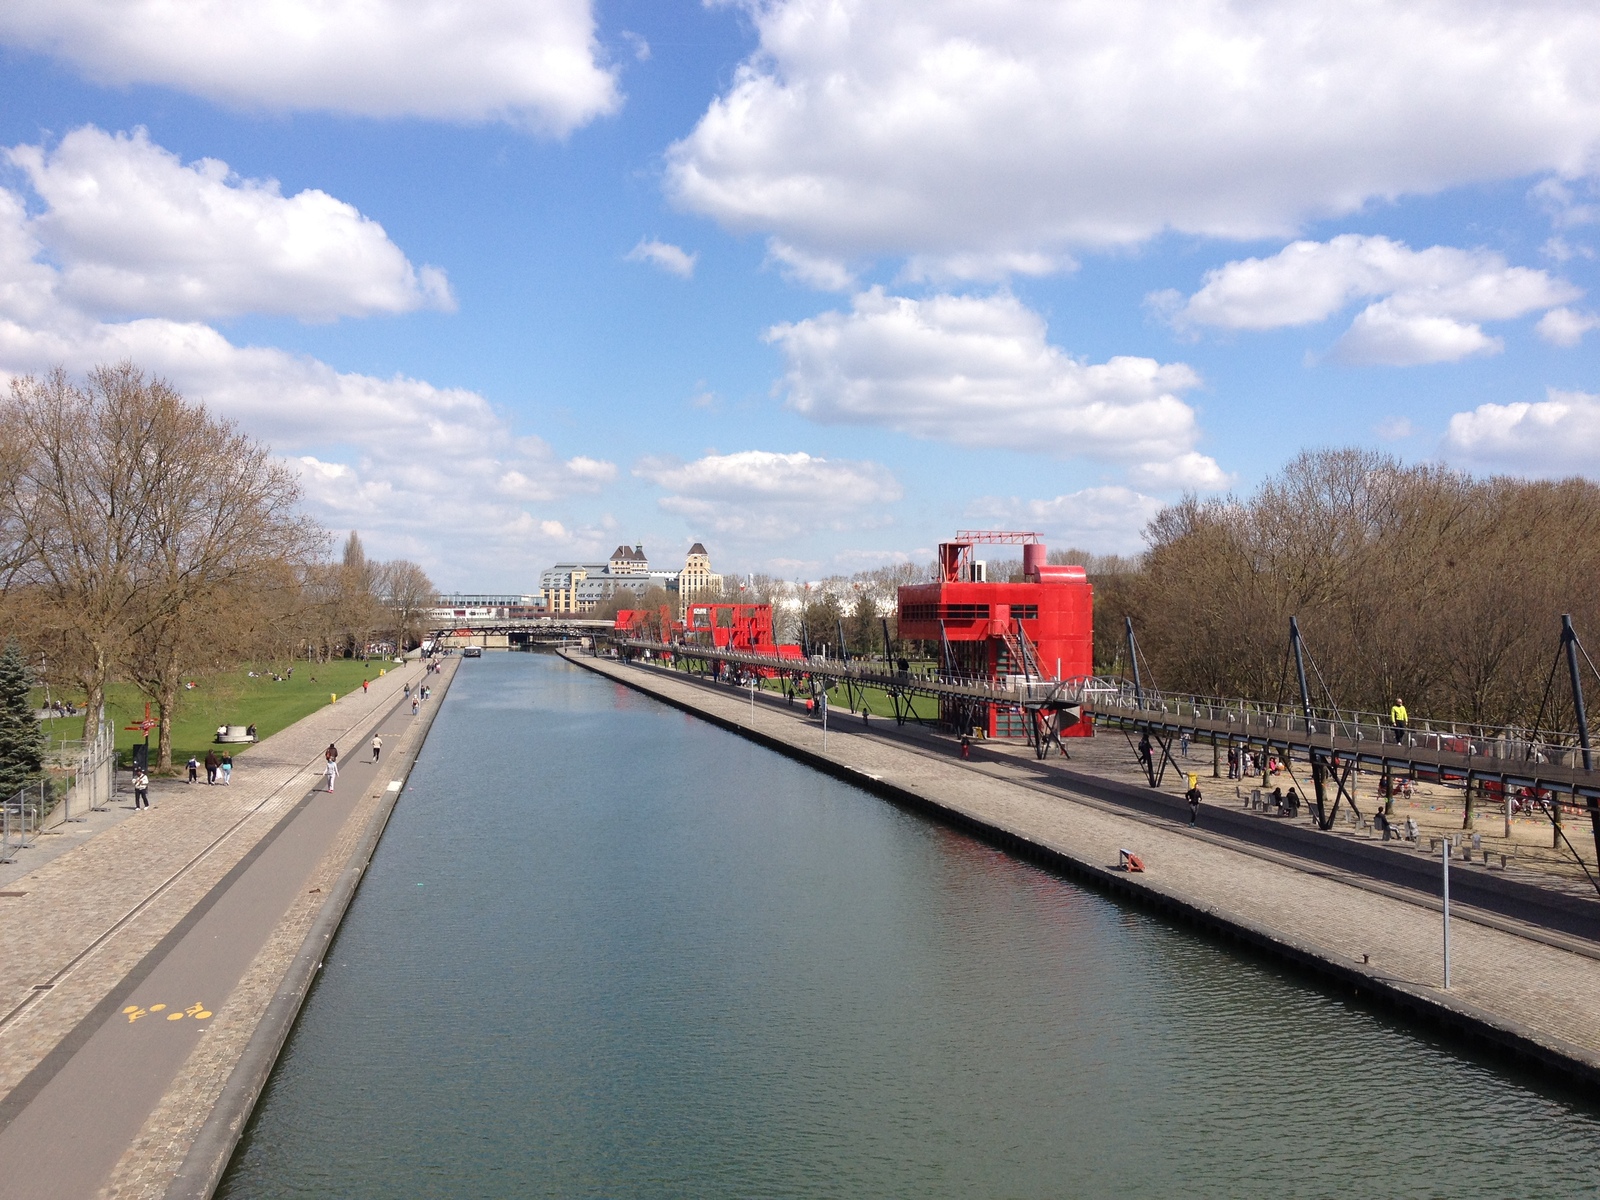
x=1055 y=705
x=1549 y=765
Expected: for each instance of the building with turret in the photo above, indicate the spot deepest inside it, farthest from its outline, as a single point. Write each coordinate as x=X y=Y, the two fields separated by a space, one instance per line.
x=696 y=576
x=583 y=587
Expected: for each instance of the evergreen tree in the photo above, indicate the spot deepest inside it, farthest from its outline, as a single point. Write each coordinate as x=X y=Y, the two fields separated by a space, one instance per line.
x=21 y=737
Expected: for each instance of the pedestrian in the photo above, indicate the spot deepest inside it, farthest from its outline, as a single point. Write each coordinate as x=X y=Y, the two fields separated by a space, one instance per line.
x=141 y=790
x=364 y=684
x=1397 y=714
x=1193 y=797
x=414 y=706
x=1183 y=744
x=1233 y=762
x=966 y=747
x=331 y=757
x=194 y=769
x=408 y=691
x=227 y=770
x=377 y=747
x=1411 y=829
x=1144 y=752
x=212 y=763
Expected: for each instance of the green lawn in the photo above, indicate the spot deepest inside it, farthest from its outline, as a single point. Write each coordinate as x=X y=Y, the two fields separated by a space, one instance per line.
x=232 y=698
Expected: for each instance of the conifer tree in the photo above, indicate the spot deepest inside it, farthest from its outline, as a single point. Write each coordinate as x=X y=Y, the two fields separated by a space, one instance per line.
x=21 y=738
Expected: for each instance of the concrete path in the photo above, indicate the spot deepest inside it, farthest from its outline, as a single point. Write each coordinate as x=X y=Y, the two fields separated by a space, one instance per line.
x=1516 y=983
x=132 y=960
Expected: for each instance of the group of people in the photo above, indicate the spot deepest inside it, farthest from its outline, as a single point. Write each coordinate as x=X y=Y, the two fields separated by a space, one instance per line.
x=219 y=767
x=62 y=708
x=1245 y=763
x=422 y=692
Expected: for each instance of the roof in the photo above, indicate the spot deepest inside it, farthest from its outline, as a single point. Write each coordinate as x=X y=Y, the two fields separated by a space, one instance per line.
x=626 y=554
x=698 y=548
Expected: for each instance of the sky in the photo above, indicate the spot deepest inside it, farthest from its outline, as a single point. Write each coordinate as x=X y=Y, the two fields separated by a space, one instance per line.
x=815 y=282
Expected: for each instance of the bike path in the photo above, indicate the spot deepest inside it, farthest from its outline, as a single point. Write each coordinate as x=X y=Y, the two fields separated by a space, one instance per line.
x=69 y=1122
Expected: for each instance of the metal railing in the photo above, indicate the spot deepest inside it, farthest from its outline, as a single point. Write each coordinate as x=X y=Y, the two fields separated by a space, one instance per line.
x=79 y=777
x=1510 y=744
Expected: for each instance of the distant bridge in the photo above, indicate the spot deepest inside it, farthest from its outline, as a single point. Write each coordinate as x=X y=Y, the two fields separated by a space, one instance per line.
x=502 y=633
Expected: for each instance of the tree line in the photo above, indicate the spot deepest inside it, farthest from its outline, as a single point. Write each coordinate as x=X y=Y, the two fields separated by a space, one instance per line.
x=1413 y=582
x=144 y=539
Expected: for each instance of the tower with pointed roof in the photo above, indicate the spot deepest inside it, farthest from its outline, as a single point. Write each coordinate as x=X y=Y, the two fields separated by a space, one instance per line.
x=696 y=576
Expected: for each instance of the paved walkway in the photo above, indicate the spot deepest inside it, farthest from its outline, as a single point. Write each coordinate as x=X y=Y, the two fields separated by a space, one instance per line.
x=135 y=967
x=1502 y=976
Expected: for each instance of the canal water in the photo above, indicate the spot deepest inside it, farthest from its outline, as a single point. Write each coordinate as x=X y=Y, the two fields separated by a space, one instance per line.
x=606 y=950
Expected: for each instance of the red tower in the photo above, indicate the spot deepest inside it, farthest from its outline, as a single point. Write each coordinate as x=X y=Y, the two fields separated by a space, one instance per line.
x=1041 y=628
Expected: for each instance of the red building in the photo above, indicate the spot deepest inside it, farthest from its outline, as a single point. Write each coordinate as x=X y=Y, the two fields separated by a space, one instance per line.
x=1041 y=628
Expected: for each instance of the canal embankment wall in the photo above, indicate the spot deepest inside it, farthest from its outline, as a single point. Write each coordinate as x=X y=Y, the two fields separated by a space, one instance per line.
x=1529 y=988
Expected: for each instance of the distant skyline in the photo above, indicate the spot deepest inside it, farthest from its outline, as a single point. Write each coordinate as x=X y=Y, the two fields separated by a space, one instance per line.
x=814 y=282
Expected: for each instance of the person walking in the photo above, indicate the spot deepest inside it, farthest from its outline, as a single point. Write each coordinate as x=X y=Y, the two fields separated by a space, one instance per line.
x=1193 y=797
x=1397 y=714
x=141 y=790
x=194 y=769
x=1183 y=744
x=227 y=770
x=212 y=763
x=331 y=757
x=377 y=747
x=414 y=706
x=364 y=684
x=1144 y=752
x=966 y=747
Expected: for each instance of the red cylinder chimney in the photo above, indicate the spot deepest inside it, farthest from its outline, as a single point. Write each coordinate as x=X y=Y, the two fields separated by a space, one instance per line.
x=1033 y=557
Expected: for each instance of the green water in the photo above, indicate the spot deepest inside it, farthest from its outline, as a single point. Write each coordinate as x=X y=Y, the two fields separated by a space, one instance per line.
x=606 y=950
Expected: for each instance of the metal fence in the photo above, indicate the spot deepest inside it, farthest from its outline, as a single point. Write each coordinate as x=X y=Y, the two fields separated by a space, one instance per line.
x=79 y=777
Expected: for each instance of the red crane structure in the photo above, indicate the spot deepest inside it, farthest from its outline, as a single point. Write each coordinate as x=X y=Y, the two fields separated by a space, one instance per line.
x=1040 y=629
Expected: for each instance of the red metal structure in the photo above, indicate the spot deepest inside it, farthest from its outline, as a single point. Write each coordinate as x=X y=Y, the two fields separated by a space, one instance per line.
x=737 y=627
x=1041 y=628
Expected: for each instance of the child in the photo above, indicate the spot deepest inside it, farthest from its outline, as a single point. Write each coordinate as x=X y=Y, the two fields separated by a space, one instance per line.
x=227 y=770
x=194 y=769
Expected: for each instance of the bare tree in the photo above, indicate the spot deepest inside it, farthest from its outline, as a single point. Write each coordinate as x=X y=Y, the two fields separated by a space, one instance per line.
x=407 y=593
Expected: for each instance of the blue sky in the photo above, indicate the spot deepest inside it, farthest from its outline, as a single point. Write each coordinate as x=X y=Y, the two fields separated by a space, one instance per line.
x=814 y=283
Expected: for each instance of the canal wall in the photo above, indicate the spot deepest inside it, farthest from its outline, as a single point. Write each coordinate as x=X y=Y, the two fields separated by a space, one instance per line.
x=1519 y=988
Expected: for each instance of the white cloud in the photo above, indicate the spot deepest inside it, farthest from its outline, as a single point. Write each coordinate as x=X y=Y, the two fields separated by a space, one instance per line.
x=1392 y=429
x=814 y=270
x=1551 y=436
x=1105 y=520
x=1561 y=203
x=672 y=259
x=978 y=370
x=1431 y=300
x=944 y=128
x=136 y=231
x=532 y=63
x=427 y=472
x=761 y=495
x=1566 y=326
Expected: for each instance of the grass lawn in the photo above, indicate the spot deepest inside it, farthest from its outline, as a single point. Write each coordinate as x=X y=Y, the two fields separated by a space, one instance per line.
x=231 y=698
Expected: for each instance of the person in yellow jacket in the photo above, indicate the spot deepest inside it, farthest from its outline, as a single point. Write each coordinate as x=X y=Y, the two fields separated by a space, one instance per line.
x=1397 y=714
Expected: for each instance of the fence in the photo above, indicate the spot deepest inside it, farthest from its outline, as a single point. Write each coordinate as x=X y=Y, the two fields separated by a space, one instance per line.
x=79 y=777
